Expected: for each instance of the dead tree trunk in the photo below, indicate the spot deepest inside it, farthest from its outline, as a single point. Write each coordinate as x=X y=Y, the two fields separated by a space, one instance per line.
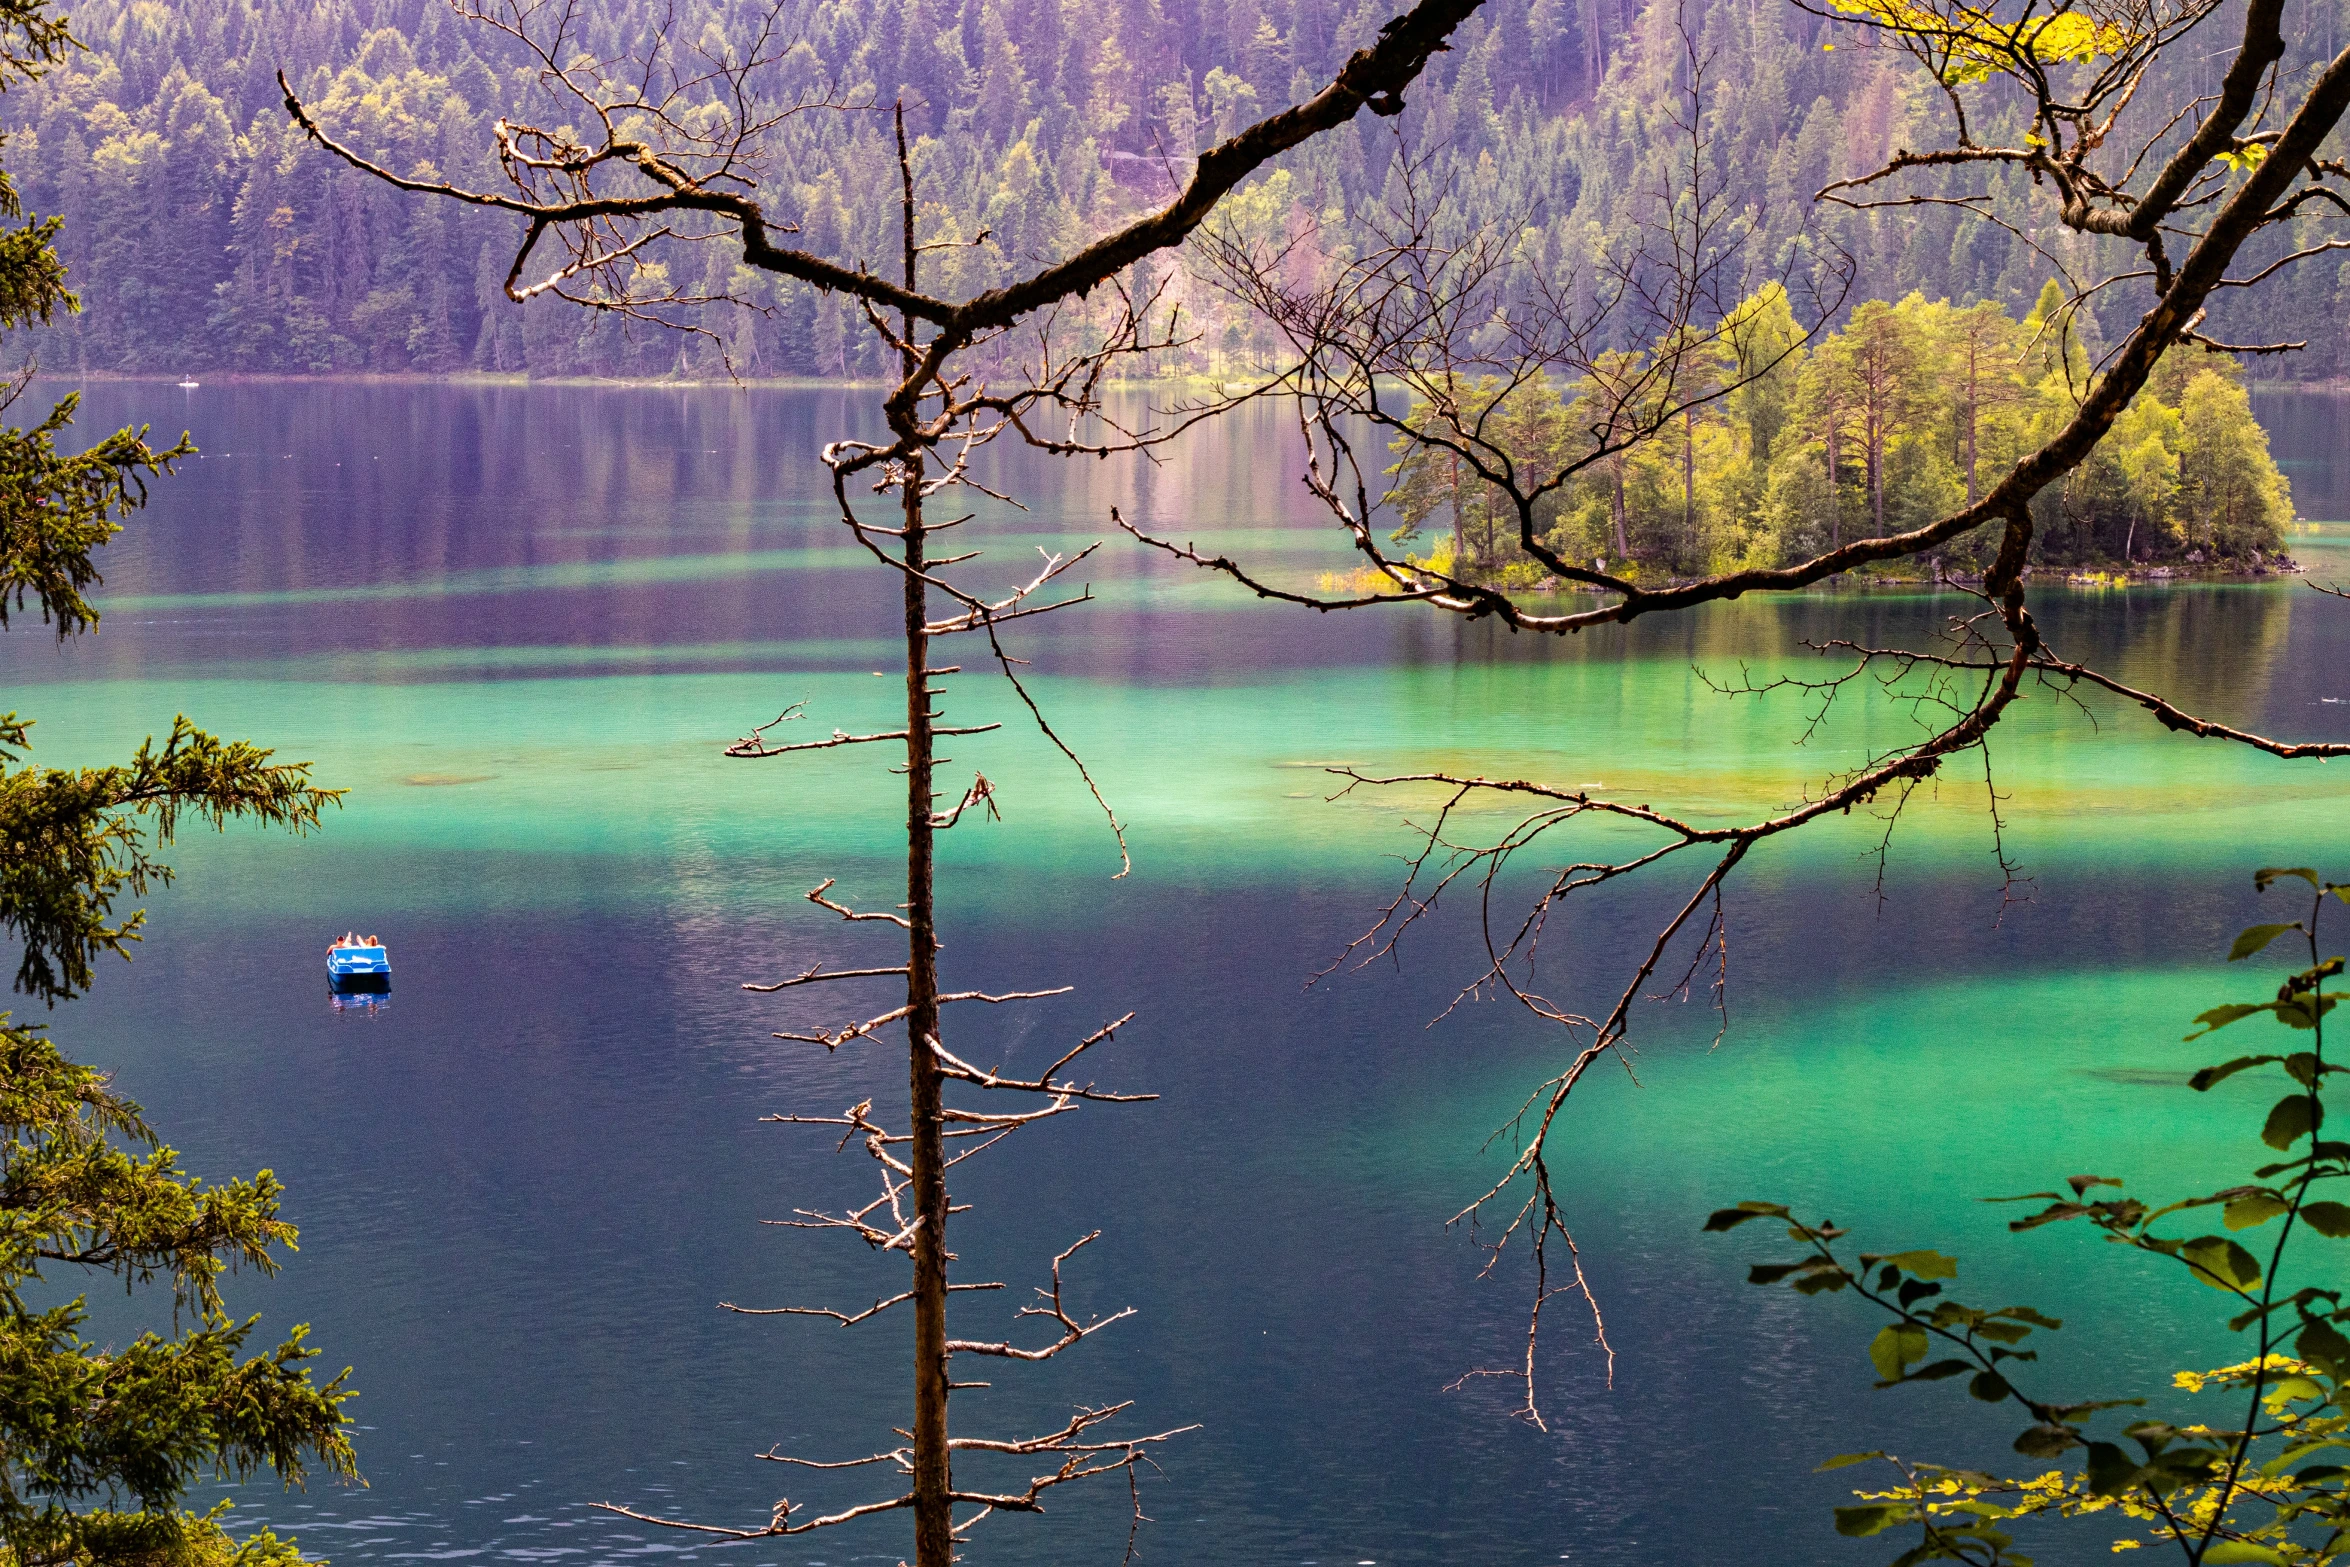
x=934 y=1538
x=933 y=1479
x=631 y=159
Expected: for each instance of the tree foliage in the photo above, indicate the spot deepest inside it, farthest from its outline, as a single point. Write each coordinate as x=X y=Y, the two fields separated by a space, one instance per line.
x=1037 y=124
x=79 y=838
x=2257 y=1480
x=100 y=1444
x=1882 y=425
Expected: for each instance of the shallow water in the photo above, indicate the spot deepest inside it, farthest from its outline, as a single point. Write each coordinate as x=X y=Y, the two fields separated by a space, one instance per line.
x=519 y=624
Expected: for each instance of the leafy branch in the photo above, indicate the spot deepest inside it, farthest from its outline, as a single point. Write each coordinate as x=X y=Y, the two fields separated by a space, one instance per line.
x=2245 y=1492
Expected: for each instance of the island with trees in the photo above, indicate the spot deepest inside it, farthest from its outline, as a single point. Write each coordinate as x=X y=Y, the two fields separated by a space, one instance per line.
x=1881 y=425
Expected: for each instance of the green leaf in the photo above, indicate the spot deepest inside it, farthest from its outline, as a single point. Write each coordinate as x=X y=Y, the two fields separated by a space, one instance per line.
x=2038 y=1319
x=2226 y=1069
x=1989 y=1386
x=2221 y=1263
x=1770 y=1272
x=1941 y=1369
x=2252 y=1209
x=2304 y=1449
x=2327 y=1218
x=2046 y=1440
x=1847 y=1460
x=2291 y=1119
x=1924 y=1264
x=2223 y=1553
x=2220 y=1017
x=2323 y=1344
x=2110 y=1471
x=2303 y=1011
x=1731 y=1218
x=1858 y=1523
x=1895 y=1348
x=2267 y=874
x=2255 y=937
x=2180 y=1466
x=1982 y=1509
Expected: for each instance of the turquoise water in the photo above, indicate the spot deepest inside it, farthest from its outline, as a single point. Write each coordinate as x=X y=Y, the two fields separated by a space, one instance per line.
x=520 y=624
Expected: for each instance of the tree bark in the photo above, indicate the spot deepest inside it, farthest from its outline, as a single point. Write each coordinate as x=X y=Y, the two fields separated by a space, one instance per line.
x=933 y=1537
x=1615 y=499
x=1835 y=512
x=1460 y=531
x=1973 y=411
x=934 y=1540
x=1689 y=477
x=1876 y=459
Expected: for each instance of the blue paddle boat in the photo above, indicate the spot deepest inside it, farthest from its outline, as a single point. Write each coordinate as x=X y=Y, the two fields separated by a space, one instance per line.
x=358 y=968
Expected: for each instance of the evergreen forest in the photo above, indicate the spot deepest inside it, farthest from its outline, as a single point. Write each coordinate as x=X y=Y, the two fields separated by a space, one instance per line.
x=204 y=234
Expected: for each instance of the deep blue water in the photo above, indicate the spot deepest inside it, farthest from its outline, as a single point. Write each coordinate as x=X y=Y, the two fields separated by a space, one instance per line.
x=519 y=622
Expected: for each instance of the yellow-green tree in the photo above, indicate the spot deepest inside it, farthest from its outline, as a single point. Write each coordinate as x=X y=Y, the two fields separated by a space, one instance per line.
x=1528 y=424
x=1767 y=342
x=2235 y=501
x=1982 y=356
x=1882 y=369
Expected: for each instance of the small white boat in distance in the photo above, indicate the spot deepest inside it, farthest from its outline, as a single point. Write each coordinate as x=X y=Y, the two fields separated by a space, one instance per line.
x=191 y=385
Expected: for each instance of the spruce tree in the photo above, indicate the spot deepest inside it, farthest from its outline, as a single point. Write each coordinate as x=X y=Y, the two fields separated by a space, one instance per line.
x=100 y=1445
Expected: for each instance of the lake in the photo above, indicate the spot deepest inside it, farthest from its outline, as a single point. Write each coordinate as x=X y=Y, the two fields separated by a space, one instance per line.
x=519 y=625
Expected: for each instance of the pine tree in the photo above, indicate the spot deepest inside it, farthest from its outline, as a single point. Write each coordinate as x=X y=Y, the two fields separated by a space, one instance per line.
x=99 y=1445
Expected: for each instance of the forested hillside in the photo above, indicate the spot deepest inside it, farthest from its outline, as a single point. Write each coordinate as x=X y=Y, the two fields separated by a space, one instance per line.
x=203 y=235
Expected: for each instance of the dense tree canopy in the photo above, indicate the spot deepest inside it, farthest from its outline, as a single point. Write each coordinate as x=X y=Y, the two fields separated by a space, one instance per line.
x=1041 y=124
x=1895 y=419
